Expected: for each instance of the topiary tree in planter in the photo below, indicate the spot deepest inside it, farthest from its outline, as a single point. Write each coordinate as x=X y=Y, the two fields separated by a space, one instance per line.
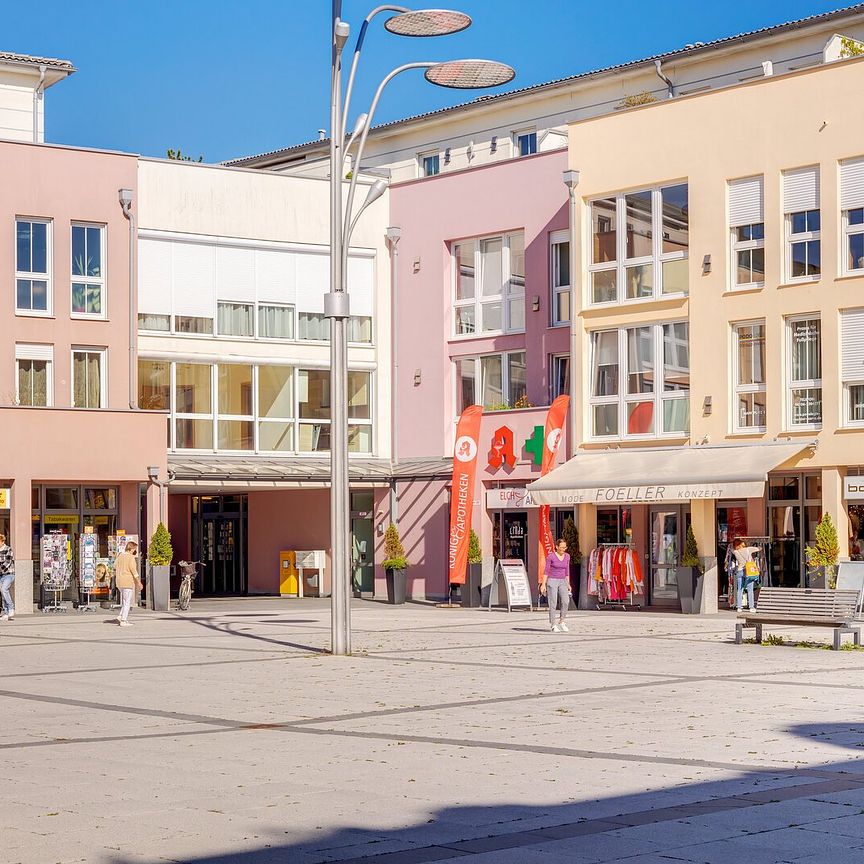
x=159 y=555
x=690 y=575
x=395 y=564
x=823 y=554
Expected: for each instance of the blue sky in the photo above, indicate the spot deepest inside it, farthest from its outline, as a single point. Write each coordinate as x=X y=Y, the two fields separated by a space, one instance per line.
x=229 y=79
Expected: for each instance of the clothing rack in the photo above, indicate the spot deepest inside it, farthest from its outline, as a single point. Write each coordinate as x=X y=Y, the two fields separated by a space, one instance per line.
x=622 y=604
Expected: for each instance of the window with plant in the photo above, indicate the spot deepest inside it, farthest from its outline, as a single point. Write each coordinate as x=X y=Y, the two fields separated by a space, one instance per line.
x=495 y=381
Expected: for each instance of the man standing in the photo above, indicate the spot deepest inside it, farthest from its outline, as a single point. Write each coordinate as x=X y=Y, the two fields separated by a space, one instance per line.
x=7 y=577
x=126 y=578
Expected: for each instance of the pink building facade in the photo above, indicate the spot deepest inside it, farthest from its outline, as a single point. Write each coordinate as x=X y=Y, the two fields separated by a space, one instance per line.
x=76 y=451
x=483 y=288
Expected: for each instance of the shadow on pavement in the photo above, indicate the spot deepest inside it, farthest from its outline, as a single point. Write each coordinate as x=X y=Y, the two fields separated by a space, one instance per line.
x=768 y=815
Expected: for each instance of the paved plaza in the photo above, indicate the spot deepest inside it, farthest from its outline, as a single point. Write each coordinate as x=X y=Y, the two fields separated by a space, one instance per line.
x=227 y=734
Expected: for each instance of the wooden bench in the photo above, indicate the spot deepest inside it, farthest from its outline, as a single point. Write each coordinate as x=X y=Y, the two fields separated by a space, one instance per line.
x=810 y=607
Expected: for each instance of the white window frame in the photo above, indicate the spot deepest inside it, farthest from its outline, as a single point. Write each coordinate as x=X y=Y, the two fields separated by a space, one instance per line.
x=268 y=305
x=225 y=301
x=851 y=230
x=746 y=389
x=802 y=237
x=421 y=162
x=806 y=383
x=556 y=361
x=101 y=280
x=556 y=289
x=36 y=353
x=622 y=399
x=509 y=292
x=477 y=359
x=103 y=375
x=186 y=415
x=848 y=422
x=621 y=264
x=743 y=246
x=48 y=312
x=518 y=135
x=236 y=418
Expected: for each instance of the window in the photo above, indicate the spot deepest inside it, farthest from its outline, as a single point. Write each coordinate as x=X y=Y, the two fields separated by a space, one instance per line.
x=359 y=412
x=489 y=280
x=560 y=375
x=275 y=409
x=747 y=223
x=88 y=276
x=314 y=407
x=526 y=142
x=154 y=323
x=154 y=385
x=33 y=375
x=640 y=245
x=193 y=406
x=235 y=425
x=495 y=381
x=430 y=164
x=749 y=377
x=32 y=265
x=804 y=386
x=192 y=324
x=275 y=322
x=235 y=319
x=360 y=328
x=314 y=326
x=560 y=271
x=88 y=378
x=852 y=205
x=801 y=206
x=852 y=366
x=640 y=381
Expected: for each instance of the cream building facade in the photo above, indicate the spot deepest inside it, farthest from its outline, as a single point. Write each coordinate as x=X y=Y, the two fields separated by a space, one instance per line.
x=720 y=301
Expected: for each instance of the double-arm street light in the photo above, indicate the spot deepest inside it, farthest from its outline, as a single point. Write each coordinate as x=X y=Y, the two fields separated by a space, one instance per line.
x=463 y=74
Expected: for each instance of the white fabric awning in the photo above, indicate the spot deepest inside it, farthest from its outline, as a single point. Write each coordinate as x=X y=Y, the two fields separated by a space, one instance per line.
x=664 y=474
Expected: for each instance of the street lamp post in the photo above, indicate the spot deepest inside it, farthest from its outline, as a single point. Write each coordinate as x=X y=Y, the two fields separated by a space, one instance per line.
x=463 y=74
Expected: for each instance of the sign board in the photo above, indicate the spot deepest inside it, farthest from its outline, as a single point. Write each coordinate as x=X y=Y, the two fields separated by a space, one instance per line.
x=512 y=572
x=510 y=498
x=853 y=488
x=662 y=494
x=5 y=499
x=312 y=560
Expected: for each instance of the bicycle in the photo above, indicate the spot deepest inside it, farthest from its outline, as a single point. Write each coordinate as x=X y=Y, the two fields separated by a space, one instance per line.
x=188 y=572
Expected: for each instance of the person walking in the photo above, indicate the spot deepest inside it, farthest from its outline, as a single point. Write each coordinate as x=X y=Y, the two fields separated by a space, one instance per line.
x=7 y=577
x=555 y=584
x=746 y=574
x=126 y=579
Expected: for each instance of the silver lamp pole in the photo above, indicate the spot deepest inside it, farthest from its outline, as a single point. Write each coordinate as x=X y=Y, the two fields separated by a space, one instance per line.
x=463 y=74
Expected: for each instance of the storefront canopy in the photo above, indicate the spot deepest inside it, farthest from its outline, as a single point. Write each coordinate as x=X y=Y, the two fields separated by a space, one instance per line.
x=664 y=474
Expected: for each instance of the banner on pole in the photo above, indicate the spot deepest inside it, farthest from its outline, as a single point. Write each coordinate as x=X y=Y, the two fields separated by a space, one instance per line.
x=552 y=438
x=462 y=495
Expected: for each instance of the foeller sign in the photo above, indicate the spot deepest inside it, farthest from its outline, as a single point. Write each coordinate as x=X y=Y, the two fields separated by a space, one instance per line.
x=461 y=500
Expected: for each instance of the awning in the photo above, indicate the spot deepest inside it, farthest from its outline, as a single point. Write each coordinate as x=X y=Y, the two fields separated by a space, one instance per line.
x=664 y=474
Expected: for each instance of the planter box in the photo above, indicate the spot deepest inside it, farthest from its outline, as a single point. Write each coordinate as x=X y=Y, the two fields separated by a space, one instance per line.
x=687 y=578
x=395 y=587
x=159 y=588
x=472 y=588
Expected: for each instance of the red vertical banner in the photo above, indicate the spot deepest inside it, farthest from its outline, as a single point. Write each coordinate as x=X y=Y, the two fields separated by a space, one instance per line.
x=552 y=438
x=461 y=498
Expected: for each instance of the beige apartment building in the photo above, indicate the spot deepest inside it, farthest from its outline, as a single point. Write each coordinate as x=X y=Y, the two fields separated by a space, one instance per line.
x=719 y=290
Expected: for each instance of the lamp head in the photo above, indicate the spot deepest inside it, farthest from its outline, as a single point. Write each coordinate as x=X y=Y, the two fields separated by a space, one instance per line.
x=376 y=190
x=470 y=74
x=359 y=123
x=428 y=22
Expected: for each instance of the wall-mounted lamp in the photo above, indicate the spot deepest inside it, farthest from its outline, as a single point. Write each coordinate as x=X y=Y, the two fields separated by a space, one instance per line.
x=706 y=265
x=418 y=377
x=447 y=156
x=416 y=265
x=535 y=303
x=493 y=144
x=706 y=406
x=470 y=150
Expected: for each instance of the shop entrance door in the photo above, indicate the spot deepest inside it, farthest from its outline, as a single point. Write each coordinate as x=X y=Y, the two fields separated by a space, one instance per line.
x=514 y=535
x=362 y=556
x=219 y=542
x=668 y=528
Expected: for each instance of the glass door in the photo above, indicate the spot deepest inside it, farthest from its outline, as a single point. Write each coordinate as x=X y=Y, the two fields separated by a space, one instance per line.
x=362 y=556
x=219 y=542
x=514 y=533
x=667 y=529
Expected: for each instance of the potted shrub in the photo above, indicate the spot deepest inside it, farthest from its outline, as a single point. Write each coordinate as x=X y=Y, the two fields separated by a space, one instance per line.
x=570 y=534
x=159 y=557
x=474 y=578
x=822 y=555
x=395 y=564
x=690 y=576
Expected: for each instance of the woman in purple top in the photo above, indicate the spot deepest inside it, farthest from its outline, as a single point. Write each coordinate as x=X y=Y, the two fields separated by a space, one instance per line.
x=555 y=584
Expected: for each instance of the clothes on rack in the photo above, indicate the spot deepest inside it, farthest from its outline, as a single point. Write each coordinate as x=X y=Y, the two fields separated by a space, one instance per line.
x=614 y=573
x=731 y=566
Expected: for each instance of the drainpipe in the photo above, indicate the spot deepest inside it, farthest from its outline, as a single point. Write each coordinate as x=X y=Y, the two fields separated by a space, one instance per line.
x=571 y=181
x=394 y=234
x=670 y=87
x=37 y=97
x=125 y=196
